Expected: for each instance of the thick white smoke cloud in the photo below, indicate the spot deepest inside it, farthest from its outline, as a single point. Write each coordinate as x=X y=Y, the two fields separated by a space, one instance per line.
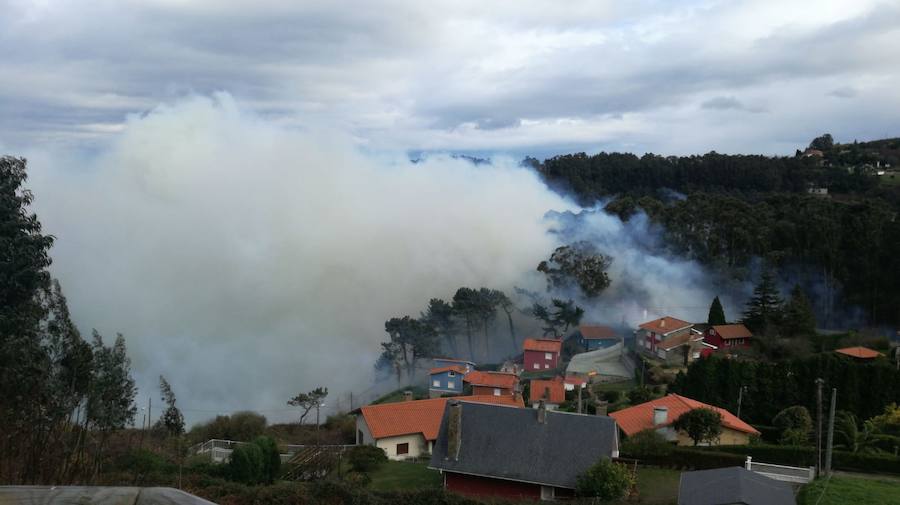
x=247 y=261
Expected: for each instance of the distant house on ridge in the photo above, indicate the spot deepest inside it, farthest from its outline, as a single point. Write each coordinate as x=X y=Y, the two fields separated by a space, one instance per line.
x=541 y=353
x=593 y=337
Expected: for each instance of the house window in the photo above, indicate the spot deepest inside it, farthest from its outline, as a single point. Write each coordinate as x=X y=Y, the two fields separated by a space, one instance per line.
x=436 y=383
x=696 y=355
x=537 y=365
x=547 y=493
x=451 y=384
x=402 y=449
x=451 y=373
x=359 y=437
x=496 y=391
x=548 y=356
x=546 y=365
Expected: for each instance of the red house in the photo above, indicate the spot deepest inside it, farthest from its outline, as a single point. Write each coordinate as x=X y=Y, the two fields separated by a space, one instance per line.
x=492 y=383
x=542 y=353
x=538 y=454
x=728 y=335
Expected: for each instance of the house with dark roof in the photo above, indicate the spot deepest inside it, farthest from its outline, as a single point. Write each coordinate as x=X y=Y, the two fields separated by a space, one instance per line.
x=409 y=428
x=660 y=414
x=595 y=336
x=493 y=450
x=732 y=486
x=541 y=353
x=669 y=339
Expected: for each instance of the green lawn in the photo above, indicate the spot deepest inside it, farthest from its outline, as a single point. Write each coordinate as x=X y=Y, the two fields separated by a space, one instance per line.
x=657 y=486
x=840 y=490
x=401 y=475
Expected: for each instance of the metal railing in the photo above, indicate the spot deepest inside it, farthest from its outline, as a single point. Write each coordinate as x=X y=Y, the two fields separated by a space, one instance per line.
x=793 y=474
x=220 y=450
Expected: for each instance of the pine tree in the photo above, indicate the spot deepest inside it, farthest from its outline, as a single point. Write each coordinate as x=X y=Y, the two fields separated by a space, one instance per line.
x=798 y=315
x=716 y=312
x=172 y=419
x=763 y=311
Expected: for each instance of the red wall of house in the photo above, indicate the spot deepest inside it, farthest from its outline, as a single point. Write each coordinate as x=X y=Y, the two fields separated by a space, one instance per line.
x=484 y=486
x=489 y=390
x=532 y=357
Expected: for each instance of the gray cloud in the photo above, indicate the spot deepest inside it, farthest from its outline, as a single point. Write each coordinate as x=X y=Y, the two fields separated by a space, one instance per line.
x=843 y=92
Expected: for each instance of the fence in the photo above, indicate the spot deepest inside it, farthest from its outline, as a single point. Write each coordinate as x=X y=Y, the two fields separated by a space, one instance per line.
x=219 y=450
x=792 y=474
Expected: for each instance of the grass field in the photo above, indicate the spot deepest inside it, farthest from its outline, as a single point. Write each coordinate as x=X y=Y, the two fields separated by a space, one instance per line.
x=657 y=486
x=840 y=490
x=402 y=475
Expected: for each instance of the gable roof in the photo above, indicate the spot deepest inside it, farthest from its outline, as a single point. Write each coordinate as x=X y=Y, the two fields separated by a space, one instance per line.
x=597 y=332
x=511 y=444
x=859 y=352
x=640 y=417
x=729 y=331
x=665 y=325
x=454 y=360
x=552 y=390
x=491 y=379
x=679 y=340
x=455 y=368
x=419 y=416
x=543 y=345
x=732 y=485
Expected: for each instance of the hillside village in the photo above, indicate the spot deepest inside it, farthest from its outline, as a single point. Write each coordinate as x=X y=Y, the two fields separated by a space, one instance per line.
x=532 y=427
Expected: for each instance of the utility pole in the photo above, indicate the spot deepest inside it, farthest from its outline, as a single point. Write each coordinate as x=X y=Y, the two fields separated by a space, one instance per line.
x=740 y=398
x=819 y=383
x=580 y=391
x=830 y=443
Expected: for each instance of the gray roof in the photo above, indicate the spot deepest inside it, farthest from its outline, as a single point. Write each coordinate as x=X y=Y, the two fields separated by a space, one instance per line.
x=509 y=443
x=97 y=495
x=732 y=485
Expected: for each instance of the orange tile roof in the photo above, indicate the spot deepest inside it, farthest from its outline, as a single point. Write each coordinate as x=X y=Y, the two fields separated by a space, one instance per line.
x=678 y=340
x=640 y=417
x=575 y=380
x=543 y=345
x=665 y=325
x=859 y=352
x=552 y=390
x=492 y=379
x=729 y=331
x=455 y=368
x=597 y=332
x=419 y=416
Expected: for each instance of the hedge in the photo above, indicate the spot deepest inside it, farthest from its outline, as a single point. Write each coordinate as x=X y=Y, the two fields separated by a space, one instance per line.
x=684 y=458
x=806 y=456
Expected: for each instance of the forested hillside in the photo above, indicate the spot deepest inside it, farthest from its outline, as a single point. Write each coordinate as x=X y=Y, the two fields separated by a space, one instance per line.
x=730 y=212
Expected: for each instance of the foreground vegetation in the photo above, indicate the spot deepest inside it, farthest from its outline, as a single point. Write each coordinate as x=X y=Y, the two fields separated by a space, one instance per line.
x=842 y=490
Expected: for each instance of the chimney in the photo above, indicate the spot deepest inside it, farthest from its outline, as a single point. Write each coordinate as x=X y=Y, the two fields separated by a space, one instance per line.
x=542 y=412
x=602 y=407
x=407 y=396
x=660 y=415
x=662 y=323
x=454 y=429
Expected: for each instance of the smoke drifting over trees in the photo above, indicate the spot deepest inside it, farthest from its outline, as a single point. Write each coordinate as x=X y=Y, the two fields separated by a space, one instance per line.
x=248 y=260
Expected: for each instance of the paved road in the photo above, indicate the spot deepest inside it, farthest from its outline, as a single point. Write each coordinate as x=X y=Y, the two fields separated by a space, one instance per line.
x=96 y=495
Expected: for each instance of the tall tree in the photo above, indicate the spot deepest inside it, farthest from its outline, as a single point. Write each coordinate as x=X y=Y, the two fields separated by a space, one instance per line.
x=763 y=312
x=440 y=315
x=506 y=305
x=716 y=312
x=701 y=425
x=410 y=340
x=172 y=419
x=798 y=315
x=562 y=315
x=466 y=305
x=308 y=401
x=580 y=265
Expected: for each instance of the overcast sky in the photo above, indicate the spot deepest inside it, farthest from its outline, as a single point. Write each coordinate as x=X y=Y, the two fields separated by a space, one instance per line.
x=521 y=77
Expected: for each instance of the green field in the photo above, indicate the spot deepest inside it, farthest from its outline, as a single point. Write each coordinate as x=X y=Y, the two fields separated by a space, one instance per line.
x=402 y=475
x=657 y=486
x=840 y=490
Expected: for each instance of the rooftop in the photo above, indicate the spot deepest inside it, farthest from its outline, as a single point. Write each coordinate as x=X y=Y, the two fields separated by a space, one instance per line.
x=729 y=331
x=419 y=416
x=455 y=368
x=492 y=379
x=543 y=345
x=665 y=325
x=640 y=417
x=859 y=352
x=597 y=332
x=732 y=485
x=552 y=390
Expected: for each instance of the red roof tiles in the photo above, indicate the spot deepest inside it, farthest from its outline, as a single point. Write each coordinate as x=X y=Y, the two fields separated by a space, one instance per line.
x=419 y=416
x=455 y=368
x=553 y=390
x=729 y=331
x=859 y=352
x=640 y=417
x=543 y=345
x=665 y=325
x=492 y=379
x=597 y=332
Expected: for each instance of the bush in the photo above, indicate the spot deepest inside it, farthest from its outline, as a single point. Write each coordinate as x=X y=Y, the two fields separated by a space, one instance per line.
x=365 y=458
x=646 y=444
x=612 y=396
x=241 y=426
x=246 y=464
x=271 y=459
x=640 y=394
x=605 y=480
x=795 y=424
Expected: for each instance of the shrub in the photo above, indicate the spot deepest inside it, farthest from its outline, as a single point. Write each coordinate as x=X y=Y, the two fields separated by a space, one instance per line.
x=365 y=458
x=795 y=424
x=646 y=444
x=605 y=480
x=639 y=394
x=271 y=459
x=241 y=426
x=612 y=396
x=246 y=464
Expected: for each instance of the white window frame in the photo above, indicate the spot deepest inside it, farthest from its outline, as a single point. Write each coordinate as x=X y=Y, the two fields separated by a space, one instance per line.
x=496 y=391
x=548 y=356
x=436 y=383
x=451 y=373
x=537 y=366
x=451 y=384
